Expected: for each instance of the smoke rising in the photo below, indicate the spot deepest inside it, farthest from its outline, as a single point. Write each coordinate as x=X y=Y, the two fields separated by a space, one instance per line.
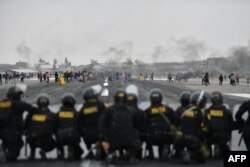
x=184 y=49
x=120 y=53
x=24 y=51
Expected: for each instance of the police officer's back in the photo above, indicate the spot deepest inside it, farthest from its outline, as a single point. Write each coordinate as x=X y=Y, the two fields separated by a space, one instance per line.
x=118 y=126
x=185 y=102
x=89 y=116
x=244 y=125
x=66 y=128
x=11 y=121
x=40 y=127
x=192 y=130
x=159 y=119
x=132 y=103
x=219 y=121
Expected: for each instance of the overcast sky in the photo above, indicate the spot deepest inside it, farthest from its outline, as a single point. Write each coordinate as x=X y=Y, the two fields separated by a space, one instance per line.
x=151 y=30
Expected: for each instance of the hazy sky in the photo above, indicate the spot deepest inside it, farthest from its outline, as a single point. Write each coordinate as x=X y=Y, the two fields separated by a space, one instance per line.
x=82 y=30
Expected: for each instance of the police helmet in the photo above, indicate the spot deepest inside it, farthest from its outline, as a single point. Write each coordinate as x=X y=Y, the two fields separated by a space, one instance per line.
x=132 y=99
x=42 y=100
x=132 y=89
x=132 y=94
x=15 y=92
x=198 y=99
x=97 y=89
x=68 y=99
x=185 y=98
x=120 y=96
x=88 y=94
x=156 y=96
x=217 y=98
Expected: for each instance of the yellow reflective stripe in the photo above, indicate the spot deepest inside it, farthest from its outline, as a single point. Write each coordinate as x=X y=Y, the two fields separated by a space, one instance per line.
x=189 y=113
x=90 y=110
x=66 y=114
x=39 y=118
x=216 y=113
x=157 y=110
x=5 y=104
x=121 y=94
x=162 y=109
x=130 y=98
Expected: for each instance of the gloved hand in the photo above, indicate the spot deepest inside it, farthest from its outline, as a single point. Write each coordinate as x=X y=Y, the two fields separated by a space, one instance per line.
x=105 y=146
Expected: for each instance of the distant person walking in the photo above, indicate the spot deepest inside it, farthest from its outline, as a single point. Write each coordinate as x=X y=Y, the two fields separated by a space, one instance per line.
x=47 y=76
x=169 y=77
x=6 y=78
x=221 y=79
x=206 y=79
x=232 y=79
x=56 y=76
x=237 y=79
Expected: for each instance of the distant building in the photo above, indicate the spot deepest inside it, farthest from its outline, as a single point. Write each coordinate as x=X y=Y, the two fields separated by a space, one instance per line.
x=44 y=67
x=21 y=64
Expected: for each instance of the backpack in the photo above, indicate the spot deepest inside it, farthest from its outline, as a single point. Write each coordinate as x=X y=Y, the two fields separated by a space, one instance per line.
x=122 y=121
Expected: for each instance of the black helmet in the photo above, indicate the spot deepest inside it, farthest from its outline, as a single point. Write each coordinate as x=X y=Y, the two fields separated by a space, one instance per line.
x=15 y=92
x=68 y=99
x=185 y=98
x=198 y=99
x=132 y=94
x=156 y=96
x=217 y=98
x=132 y=99
x=89 y=95
x=120 y=96
x=42 y=100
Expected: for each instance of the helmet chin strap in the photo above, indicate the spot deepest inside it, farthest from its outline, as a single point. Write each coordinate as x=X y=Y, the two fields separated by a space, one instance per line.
x=200 y=97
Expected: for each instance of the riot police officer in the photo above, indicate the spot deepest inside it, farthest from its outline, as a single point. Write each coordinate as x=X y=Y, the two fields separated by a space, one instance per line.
x=132 y=103
x=40 y=128
x=159 y=119
x=185 y=102
x=218 y=120
x=66 y=129
x=190 y=134
x=244 y=124
x=11 y=121
x=89 y=116
x=118 y=126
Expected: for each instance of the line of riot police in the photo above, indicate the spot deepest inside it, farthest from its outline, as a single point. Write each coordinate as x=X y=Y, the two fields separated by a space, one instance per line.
x=118 y=132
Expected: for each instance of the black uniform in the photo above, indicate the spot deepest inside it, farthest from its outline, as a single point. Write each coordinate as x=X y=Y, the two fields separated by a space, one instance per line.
x=245 y=125
x=66 y=132
x=159 y=119
x=118 y=128
x=12 y=126
x=88 y=121
x=179 y=111
x=40 y=127
x=219 y=122
x=141 y=120
x=192 y=133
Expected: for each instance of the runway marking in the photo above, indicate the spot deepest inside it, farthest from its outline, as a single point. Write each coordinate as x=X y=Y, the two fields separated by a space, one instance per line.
x=245 y=95
x=105 y=91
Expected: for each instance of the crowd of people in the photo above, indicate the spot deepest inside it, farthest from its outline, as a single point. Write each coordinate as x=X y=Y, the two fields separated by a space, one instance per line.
x=13 y=77
x=117 y=132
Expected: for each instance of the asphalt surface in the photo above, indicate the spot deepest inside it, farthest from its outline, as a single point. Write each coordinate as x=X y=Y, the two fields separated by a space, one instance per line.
x=171 y=92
